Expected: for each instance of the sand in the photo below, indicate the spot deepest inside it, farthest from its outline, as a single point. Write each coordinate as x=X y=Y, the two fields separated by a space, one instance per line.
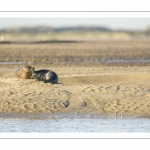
x=94 y=91
x=84 y=88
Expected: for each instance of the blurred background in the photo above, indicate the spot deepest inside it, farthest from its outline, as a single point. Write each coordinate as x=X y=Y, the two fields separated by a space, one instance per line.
x=82 y=29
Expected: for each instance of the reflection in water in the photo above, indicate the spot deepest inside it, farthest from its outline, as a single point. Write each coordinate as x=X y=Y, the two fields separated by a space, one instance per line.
x=75 y=125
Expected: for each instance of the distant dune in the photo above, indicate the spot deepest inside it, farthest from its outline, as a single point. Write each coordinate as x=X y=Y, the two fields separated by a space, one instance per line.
x=42 y=29
x=45 y=29
x=80 y=33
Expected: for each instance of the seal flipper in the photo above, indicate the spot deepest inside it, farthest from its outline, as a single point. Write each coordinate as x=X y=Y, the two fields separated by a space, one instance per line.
x=50 y=81
x=47 y=81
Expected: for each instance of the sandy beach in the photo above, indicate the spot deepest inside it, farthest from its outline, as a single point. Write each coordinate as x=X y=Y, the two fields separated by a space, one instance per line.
x=86 y=85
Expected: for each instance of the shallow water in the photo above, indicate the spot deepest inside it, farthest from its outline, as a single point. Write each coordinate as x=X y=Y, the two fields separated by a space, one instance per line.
x=121 y=61
x=78 y=124
x=11 y=63
x=93 y=61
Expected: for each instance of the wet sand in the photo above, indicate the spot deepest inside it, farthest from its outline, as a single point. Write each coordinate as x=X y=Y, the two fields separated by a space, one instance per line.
x=91 y=89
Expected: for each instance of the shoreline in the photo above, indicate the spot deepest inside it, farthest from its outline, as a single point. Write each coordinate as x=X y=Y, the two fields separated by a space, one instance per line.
x=66 y=115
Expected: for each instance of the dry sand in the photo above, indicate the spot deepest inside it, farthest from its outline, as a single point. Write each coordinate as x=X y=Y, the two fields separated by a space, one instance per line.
x=93 y=88
x=107 y=91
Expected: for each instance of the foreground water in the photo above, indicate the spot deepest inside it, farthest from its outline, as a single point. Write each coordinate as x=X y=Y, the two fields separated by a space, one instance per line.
x=77 y=124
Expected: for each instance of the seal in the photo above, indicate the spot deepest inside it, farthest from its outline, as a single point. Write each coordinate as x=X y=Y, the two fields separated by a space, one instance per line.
x=24 y=72
x=45 y=75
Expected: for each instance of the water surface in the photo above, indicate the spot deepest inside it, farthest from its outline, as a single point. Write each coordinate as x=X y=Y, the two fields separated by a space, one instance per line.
x=78 y=124
x=93 y=61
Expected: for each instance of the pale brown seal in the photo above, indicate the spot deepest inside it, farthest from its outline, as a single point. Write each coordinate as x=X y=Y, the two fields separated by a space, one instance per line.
x=45 y=75
x=24 y=72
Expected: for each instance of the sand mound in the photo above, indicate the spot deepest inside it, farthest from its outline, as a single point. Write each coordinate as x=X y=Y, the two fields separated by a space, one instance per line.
x=125 y=92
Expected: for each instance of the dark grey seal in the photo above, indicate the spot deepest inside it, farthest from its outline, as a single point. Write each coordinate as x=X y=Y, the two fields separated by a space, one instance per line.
x=45 y=75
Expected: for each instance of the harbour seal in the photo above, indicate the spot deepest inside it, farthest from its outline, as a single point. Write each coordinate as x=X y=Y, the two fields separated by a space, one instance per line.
x=24 y=72
x=45 y=75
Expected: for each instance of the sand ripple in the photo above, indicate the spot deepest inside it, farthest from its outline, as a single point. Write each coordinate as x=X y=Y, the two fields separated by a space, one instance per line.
x=119 y=94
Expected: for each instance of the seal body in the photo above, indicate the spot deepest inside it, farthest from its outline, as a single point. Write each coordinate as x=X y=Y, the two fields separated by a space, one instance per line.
x=24 y=72
x=45 y=75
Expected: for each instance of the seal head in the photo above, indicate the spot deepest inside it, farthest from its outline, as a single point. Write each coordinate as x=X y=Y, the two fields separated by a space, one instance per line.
x=24 y=72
